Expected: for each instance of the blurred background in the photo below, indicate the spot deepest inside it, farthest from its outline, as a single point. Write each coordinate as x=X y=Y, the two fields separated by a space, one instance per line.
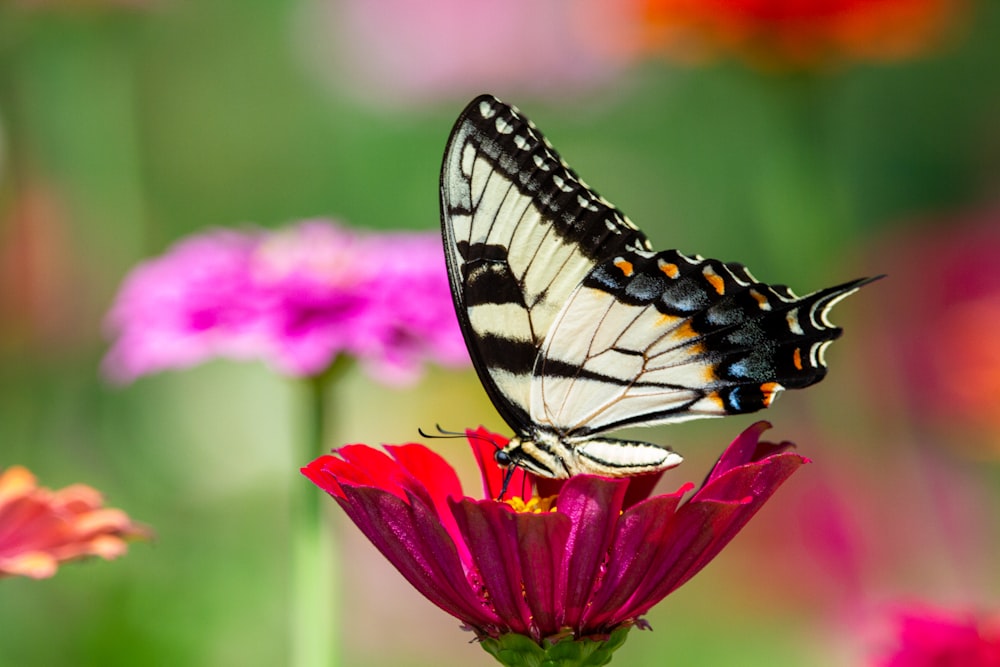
x=814 y=142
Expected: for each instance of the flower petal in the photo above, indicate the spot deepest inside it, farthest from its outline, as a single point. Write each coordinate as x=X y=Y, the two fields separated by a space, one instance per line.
x=741 y=451
x=692 y=531
x=33 y=564
x=359 y=465
x=39 y=528
x=758 y=480
x=490 y=531
x=541 y=550
x=593 y=505
x=430 y=468
x=708 y=521
x=640 y=532
x=640 y=487
x=391 y=474
x=520 y=557
x=411 y=537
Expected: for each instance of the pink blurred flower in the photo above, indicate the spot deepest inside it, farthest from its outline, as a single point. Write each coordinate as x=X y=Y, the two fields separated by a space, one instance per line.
x=382 y=298
x=40 y=528
x=194 y=303
x=582 y=558
x=942 y=314
x=296 y=298
x=936 y=638
x=391 y=49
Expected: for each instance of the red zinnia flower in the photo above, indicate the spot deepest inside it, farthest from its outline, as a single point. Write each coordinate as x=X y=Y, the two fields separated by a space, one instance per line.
x=40 y=528
x=591 y=558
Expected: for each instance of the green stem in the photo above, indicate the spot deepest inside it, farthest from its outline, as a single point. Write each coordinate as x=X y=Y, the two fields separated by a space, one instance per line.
x=314 y=621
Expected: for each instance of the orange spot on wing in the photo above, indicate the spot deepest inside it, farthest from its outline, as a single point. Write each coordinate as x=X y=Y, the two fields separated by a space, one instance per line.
x=716 y=281
x=685 y=330
x=769 y=391
x=797 y=359
x=686 y=334
x=715 y=398
x=625 y=266
x=760 y=298
x=670 y=269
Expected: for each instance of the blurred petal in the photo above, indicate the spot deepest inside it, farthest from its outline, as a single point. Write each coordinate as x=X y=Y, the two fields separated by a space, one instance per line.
x=40 y=528
x=930 y=637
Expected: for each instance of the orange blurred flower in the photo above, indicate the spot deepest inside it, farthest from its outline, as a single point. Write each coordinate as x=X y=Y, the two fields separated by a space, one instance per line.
x=794 y=33
x=39 y=528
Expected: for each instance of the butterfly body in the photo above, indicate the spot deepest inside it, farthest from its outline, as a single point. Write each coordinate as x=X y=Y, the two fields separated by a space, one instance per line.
x=577 y=327
x=548 y=454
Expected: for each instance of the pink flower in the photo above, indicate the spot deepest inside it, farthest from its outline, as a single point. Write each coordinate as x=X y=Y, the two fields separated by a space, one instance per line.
x=947 y=373
x=391 y=49
x=936 y=638
x=593 y=557
x=296 y=298
x=40 y=528
x=192 y=304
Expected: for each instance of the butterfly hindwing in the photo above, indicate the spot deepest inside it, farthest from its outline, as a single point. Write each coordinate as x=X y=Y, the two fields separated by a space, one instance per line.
x=521 y=231
x=649 y=339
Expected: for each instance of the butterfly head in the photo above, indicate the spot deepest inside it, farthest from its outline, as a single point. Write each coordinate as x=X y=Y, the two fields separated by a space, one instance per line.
x=525 y=453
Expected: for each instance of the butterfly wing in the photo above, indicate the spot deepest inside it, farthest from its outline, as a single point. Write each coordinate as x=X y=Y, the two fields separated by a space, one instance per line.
x=649 y=339
x=521 y=231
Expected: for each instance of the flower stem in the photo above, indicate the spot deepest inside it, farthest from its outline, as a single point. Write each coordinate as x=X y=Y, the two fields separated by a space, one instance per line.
x=521 y=651
x=313 y=595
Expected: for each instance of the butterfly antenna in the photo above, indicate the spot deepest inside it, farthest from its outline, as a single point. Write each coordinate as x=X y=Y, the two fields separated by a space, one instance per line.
x=444 y=434
x=441 y=433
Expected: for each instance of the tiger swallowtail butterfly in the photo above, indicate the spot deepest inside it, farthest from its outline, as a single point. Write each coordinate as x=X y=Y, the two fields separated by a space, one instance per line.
x=576 y=326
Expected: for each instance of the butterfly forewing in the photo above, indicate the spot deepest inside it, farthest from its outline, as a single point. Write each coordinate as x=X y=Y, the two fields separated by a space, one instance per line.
x=521 y=231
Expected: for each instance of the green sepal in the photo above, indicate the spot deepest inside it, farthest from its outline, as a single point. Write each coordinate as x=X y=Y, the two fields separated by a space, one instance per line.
x=521 y=651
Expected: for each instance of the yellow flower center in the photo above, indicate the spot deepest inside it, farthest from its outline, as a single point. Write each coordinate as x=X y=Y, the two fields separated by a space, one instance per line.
x=535 y=504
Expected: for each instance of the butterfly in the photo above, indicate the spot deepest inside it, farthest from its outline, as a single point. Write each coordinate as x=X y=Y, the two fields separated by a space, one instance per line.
x=576 y=326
